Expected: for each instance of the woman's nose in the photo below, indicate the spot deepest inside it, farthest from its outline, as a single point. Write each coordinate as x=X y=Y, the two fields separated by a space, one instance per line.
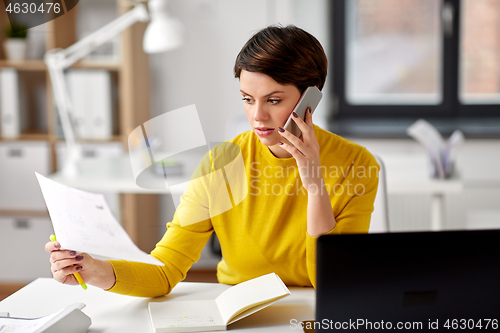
x=260 y=113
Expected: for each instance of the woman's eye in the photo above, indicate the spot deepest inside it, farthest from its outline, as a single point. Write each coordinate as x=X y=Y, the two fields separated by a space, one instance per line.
x=274 y=101
x=247 y=100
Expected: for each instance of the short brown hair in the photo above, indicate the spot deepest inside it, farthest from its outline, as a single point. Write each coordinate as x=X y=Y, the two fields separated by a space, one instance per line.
x=288 y=54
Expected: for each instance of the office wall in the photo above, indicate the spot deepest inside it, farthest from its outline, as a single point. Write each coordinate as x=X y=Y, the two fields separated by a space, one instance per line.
x=201 y=72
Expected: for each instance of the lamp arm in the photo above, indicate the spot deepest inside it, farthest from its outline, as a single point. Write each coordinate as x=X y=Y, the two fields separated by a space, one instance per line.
x=63 y=102
x=58 y=60
x=64 y=108
x=89 y=43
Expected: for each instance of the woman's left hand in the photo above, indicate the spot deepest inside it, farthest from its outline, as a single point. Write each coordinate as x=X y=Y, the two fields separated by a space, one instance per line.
x=305 y=150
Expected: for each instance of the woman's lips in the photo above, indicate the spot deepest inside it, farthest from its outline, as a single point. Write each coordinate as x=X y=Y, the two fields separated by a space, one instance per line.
x=264 y=131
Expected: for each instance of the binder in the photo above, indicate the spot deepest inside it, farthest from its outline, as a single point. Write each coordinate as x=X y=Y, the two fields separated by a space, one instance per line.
x=9 y=103
x=91 y=96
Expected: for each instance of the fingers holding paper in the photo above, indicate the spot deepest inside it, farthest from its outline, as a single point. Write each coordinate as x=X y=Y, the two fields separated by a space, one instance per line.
x=65 y=263
x=52 y=246
x=61 y=264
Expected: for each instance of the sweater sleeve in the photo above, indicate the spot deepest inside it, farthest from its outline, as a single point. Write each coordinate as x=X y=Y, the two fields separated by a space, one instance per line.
x=179 y=248
x=356 y=214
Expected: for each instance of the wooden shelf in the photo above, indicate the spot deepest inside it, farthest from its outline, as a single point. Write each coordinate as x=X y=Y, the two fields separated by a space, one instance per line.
x=114 y=138
x=39 y=65
x=109 y=65
x=26 y=65
x=23 y=213
x=28 y=137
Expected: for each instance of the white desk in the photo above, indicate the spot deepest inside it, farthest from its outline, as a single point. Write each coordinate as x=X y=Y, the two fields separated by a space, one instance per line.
x=409 y=174
x=124 y=314
x=114 y=174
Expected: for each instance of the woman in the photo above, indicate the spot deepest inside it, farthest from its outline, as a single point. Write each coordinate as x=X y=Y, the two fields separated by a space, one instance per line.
x=323 y=184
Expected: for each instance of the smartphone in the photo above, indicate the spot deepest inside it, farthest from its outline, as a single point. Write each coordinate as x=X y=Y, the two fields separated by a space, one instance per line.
x=309 y=99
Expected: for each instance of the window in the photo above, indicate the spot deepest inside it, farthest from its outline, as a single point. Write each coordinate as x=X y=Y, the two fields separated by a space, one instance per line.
x=416 y=58
x=480 y=52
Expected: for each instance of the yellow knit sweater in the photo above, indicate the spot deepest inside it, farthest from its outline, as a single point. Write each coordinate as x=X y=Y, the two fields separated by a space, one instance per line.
x=265 y=232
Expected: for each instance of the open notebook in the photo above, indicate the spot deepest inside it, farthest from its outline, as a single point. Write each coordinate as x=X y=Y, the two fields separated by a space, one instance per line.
x=232 y=305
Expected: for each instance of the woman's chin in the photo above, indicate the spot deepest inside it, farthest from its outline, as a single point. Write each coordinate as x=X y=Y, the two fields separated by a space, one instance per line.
x=269 y=141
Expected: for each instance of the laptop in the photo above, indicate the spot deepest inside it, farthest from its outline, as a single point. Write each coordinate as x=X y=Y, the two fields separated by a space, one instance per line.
x=421 y=281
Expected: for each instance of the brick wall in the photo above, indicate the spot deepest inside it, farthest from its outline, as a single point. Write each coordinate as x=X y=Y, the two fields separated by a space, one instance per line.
x=413 y=17
x=480 y=47
x=480 y=42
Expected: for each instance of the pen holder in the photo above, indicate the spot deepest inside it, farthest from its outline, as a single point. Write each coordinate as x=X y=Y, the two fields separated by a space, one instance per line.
x=447 y=171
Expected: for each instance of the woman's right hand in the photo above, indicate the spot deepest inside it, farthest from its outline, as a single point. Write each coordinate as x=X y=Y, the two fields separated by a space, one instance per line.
x=65 y=263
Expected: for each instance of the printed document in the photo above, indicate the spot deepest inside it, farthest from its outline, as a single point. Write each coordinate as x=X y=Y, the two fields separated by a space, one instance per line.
x=83 y=222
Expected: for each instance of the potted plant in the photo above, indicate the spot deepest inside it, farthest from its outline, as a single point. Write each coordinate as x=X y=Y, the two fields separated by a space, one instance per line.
x=15 y=43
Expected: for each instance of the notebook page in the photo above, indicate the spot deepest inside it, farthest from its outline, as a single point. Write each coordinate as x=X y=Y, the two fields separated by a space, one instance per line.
x=180 y=316
x=250 y=293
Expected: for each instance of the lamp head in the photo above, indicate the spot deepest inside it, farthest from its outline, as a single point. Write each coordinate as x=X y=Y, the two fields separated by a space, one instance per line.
x=164 y=32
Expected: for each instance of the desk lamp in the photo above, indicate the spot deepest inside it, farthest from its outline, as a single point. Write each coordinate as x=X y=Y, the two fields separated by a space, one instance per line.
x=163 y=33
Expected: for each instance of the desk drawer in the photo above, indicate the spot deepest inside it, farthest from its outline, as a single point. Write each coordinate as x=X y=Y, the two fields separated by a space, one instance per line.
x=18 y=185
x=90 y=151
x=22 y=241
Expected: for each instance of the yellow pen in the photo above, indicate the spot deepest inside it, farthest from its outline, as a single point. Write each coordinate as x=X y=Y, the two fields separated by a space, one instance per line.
x=77 y=275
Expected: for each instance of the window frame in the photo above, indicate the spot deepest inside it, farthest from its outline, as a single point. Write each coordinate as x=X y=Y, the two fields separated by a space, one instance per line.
x=450 y=107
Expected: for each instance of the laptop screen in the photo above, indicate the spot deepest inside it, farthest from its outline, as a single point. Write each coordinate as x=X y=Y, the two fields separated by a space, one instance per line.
x=422 y=281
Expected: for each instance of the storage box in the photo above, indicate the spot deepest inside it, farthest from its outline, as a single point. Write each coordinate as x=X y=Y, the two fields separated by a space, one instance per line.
x=22 y=244
x=19 y=188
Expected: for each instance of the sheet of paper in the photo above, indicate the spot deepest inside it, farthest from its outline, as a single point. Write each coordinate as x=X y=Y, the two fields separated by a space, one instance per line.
x=431 y=139
x=440 y=151
x=83 y=222
x=22 y=325
x=454 y=142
